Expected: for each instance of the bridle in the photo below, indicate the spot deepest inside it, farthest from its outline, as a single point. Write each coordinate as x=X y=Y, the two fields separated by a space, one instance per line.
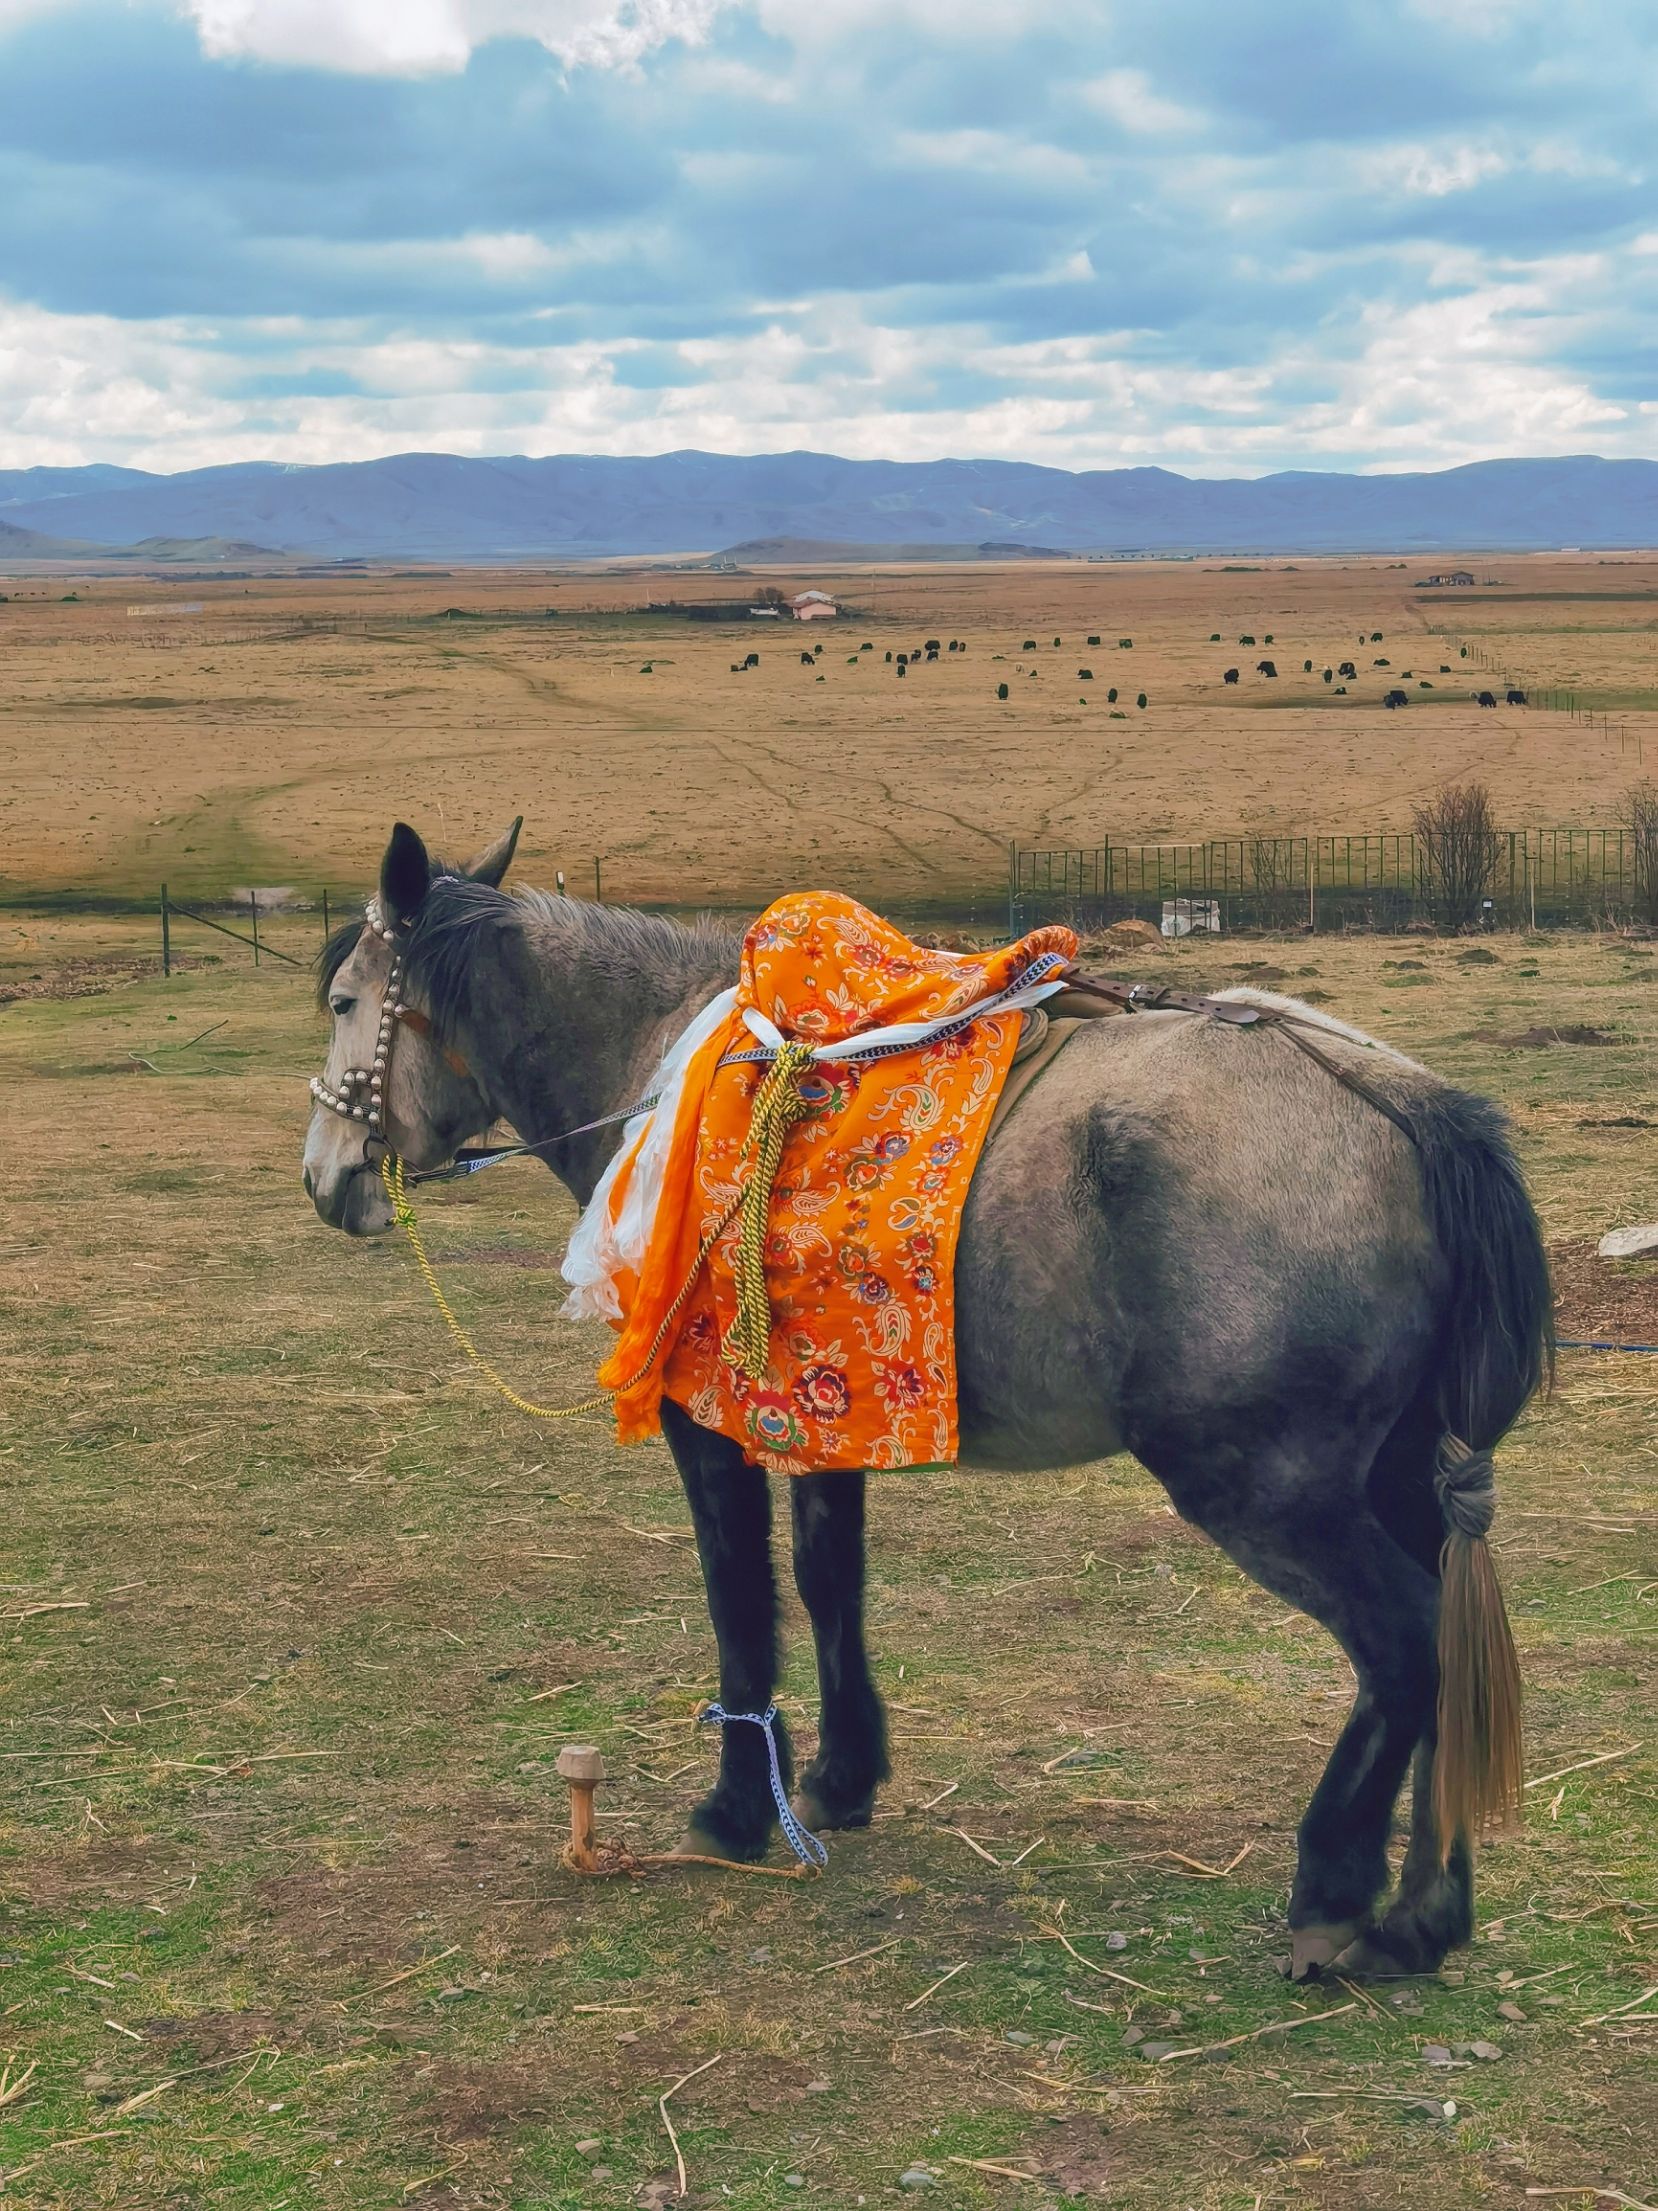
x=361 y=1095
x=362 y=1091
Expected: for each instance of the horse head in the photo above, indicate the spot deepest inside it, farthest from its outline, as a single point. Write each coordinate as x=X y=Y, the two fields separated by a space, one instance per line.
x=391 y=1083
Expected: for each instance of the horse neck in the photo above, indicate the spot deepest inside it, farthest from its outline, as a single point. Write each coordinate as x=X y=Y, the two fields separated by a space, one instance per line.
x=574 y=1020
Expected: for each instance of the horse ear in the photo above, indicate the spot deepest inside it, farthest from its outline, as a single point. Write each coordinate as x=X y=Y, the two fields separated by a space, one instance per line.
x=495 y=859
x=405 y=873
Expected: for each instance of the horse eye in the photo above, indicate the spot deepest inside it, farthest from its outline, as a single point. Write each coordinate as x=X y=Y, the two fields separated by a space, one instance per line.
x=341 y=1004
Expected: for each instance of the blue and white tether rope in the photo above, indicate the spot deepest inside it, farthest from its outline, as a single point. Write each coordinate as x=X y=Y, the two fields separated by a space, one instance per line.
x=800 y=1840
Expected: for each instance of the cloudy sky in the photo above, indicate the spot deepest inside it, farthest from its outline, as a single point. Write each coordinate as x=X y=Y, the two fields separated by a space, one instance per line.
x=1224 y=235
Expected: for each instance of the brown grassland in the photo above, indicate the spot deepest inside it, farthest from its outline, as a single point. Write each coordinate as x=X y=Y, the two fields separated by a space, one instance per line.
x=263 y=739
x=296 y=1616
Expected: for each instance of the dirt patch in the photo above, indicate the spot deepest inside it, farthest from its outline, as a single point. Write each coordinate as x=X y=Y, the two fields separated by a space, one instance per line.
x=102 y=1873
x=470 y=2100
x=1078 y=2157
x=380 y=1915
x=1603 y=1300
x=216 y=2034
x=89 y=978
x=1535 y=1040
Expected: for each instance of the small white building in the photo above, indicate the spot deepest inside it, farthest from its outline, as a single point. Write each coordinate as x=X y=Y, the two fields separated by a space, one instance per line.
x=814 y=606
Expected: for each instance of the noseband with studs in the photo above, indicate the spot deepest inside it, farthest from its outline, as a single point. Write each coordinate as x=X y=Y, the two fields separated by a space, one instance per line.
x=361 y=1095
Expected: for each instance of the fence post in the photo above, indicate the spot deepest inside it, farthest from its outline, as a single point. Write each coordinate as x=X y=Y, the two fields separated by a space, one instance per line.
x=166 y=936
x=598 y=880
x=253 y=909
x=1012 y=888
x=327 y=932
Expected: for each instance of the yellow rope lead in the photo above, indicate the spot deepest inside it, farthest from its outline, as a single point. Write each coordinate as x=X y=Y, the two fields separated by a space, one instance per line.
x=391 y=1173
x=777 y=1106
x=747 y=1344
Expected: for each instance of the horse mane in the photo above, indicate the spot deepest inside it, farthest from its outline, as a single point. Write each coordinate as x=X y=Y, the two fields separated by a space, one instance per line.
x=656 y=959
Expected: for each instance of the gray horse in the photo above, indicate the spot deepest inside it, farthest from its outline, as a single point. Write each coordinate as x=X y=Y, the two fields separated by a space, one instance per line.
x=1311 y=1314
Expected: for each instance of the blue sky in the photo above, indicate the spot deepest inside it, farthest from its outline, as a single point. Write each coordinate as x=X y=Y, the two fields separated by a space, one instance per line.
x=1226 y=236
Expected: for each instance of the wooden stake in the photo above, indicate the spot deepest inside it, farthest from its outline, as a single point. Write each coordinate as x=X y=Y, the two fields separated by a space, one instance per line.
x=582 y=1766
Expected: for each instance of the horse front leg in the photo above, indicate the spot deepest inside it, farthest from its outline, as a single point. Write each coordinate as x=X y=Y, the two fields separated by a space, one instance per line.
x=731 y=1511
x=838 y=1787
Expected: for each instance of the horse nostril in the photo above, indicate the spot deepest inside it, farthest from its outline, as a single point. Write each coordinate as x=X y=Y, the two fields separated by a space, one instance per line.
x=310 y=1187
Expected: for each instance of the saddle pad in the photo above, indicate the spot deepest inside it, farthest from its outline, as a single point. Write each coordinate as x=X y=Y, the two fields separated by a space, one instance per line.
x=860 y=1244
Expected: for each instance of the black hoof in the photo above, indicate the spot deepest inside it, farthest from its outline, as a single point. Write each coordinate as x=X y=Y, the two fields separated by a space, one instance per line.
x=825 y=1815
x=1401 y=1946
x=716 y=1830
x=1314 y=1949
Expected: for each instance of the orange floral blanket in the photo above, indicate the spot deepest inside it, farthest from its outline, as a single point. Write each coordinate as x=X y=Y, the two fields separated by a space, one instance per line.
x=860 y=1241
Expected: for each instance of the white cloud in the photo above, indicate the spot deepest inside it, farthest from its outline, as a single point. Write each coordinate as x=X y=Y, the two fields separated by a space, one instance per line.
x=422 y=37
x=1430 y=172
x=1127 y=98
x=1463 y=376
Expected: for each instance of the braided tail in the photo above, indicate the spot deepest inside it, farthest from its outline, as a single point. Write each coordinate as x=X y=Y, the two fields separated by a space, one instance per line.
x=1479 y=1764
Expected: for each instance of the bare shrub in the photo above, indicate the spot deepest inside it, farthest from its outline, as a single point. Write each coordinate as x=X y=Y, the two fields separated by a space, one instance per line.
x=1640 y=806
x=1456 y=852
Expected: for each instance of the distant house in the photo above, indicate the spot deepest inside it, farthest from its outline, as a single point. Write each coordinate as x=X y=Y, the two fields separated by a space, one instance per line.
x=814 y=606
x=1455 y=576
x=766 y=613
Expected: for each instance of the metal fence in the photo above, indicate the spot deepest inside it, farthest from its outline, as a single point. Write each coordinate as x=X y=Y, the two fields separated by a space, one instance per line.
x=1543 y=878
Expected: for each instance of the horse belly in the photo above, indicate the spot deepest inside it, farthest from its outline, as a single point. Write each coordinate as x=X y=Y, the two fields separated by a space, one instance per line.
x=1039 y=1355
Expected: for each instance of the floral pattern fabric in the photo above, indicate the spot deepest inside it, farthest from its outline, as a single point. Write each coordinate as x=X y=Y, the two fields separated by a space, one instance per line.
x=866 y=1207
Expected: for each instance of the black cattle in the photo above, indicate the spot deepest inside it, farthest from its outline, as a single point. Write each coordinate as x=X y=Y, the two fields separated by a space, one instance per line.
x=1515 y=698
x=1265 y=668
x=1397 y=698
x=932 y=645
x=1347 y=669
x=1328 y=674
x=1231 y=676
x=903 y=665
x=1487 y=698
x=807 y=661
x=753 y=661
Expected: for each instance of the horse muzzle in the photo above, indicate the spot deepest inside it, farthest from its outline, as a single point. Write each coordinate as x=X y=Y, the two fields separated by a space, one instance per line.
x=354 y=1201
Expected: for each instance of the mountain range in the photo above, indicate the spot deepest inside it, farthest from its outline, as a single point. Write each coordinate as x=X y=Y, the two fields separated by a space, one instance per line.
x=443 y=506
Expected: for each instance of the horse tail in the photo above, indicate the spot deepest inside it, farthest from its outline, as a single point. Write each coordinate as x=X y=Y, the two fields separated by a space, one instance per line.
x=1497 y=1338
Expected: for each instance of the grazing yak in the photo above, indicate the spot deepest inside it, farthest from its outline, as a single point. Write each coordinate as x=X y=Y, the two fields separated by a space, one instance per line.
x=1397 y=698
x=1516 y=698
x=1486 y=698
x=1231 y=676
x=807 y=661
x=753 y=661
x=1265 y=668
x=1347 y=668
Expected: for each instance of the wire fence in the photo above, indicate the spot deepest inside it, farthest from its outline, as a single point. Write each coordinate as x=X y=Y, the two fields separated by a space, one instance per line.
x=1539 y=879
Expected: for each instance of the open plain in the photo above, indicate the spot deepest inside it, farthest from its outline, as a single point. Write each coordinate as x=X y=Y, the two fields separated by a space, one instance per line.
x=265 y=737
x=297 y=1616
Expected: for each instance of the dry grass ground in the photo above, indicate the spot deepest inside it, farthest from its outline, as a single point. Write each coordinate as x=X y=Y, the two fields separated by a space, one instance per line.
x=296 y=1620
x=264 y=739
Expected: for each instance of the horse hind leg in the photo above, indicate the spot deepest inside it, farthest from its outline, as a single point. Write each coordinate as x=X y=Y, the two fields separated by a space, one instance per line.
x=1311 y=1539
x=1433 y=1912
x=838 y=1787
